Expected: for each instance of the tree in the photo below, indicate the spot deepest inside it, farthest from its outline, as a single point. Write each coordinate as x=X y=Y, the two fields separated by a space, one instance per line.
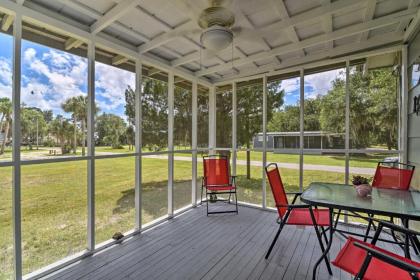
x=182 y=116
x=77 y=106
x=110 y=129
x=61 y=129
x=154 y=114
x=250 y=113
x=6 y=119
x=33 y=125
x=130 y=105
x=70 y=106
x=130 y=133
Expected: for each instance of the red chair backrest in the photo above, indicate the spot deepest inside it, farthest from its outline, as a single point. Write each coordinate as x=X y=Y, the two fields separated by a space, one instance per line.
x=280 y=197
x=216 y=170
x=389 y=177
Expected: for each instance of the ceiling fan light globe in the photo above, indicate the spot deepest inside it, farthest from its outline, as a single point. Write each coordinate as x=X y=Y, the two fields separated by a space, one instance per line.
x=216 y=38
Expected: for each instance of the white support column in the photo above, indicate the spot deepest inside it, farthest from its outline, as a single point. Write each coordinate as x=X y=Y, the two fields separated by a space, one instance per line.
x=347 y=133
x=347 y=123
x=138 y=143
x=171 y=144
x=302 y=127
x=212 y=119
x=91 y=146
x=404 y=103
x=16 y=188
x=264 y=155
x=234 y=119
x=194 y=144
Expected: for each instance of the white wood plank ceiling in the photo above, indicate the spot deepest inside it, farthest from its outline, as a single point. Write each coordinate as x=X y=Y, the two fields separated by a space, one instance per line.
x=289 y=32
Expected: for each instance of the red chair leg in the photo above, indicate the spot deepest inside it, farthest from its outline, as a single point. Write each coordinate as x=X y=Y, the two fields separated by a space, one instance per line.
x=274 y=240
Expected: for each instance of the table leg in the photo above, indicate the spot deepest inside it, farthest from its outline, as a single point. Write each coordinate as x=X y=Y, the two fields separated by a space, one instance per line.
x=407 y=240
x=327 y=249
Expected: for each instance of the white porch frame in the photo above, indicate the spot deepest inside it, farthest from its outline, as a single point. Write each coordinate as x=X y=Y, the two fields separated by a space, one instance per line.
x=20 y=12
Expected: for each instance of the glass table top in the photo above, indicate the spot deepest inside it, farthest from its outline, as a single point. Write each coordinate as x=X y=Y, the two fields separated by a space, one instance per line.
x=387 y=202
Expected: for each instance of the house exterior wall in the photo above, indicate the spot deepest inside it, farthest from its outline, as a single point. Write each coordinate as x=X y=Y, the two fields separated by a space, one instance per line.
x=413 y=147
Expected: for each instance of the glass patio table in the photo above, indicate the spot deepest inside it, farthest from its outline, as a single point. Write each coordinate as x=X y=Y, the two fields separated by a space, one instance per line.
x=388 y=202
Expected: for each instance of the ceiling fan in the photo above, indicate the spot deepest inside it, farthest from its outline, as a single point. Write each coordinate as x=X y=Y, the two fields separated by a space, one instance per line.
x=217 y=27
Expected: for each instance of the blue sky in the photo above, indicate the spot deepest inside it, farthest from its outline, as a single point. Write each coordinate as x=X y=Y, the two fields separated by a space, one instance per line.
x=50 y=76
x=315 y=84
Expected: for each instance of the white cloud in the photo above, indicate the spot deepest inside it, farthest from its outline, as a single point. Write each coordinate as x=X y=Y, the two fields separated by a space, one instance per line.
x=321 y=83
x=5 y=78
x=65 y=74
x=290 y=85
x=111 y=84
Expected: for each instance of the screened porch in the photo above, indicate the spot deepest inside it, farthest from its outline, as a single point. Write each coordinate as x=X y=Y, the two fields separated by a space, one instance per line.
x=108 y=109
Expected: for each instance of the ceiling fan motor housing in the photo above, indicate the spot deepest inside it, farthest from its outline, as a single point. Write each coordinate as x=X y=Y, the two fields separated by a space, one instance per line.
x=216 y=22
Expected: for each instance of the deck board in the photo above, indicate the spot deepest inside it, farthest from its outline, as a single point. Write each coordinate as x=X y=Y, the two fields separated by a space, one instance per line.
x=228 y=246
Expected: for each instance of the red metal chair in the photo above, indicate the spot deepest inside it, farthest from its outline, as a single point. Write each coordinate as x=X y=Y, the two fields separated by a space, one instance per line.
x=217 y=180
x=393 y=176
x=368 y=261
x=295 y=214
x=390 y=175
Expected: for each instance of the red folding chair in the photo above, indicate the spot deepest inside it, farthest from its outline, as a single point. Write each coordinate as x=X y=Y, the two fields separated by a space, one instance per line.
x=392 y=176
x=370 y=262
x=217 y=180
x=295 y=214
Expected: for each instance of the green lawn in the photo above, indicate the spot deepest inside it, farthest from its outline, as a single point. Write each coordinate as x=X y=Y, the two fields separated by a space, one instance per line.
x=54 y=214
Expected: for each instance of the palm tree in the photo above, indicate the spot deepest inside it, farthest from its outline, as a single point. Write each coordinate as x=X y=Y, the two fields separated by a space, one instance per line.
x=77 y=105
x=60 y=128
x=6 y=111
x=70 y=106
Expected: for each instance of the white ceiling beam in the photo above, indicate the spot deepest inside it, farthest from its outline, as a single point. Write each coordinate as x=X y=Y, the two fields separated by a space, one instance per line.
x=320 y=39
x=6 y=22
x=112 y=15
x=119 y=59
x=327 y=24
x=369 y=14
x=164 y=37
x=57 y=23
x=305 y=17
x=284 y=14
x=117 y=25
x=72 y=43
x=404 y=23
x=412 y=28
x=333 y=54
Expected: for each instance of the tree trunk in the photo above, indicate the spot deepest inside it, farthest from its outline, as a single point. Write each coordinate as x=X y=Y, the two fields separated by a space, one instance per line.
x=6 y=132
x=62 y=145
x=75 y=136
x=83 y=138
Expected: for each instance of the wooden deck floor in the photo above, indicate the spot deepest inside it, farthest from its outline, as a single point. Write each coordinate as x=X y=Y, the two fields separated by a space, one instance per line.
x=194 y=246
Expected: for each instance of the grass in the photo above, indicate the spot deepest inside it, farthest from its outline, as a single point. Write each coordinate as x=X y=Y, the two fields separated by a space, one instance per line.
x=54 y=214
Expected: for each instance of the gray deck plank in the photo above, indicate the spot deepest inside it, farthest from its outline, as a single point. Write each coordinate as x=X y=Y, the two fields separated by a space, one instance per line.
x=229 y=246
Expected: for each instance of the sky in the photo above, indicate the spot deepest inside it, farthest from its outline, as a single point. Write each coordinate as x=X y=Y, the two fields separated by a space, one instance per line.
x=315 y=84
x=51 y=76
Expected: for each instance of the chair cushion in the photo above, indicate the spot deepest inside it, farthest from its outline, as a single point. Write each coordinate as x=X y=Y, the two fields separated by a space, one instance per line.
x=302 y=216
x=351 y=258
x=220 y=188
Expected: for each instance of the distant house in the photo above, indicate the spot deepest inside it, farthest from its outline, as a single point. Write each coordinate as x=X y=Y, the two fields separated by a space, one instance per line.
x=290 y=140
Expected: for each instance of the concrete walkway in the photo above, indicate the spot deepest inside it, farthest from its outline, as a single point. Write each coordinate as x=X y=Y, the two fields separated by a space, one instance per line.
x=313 y=167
